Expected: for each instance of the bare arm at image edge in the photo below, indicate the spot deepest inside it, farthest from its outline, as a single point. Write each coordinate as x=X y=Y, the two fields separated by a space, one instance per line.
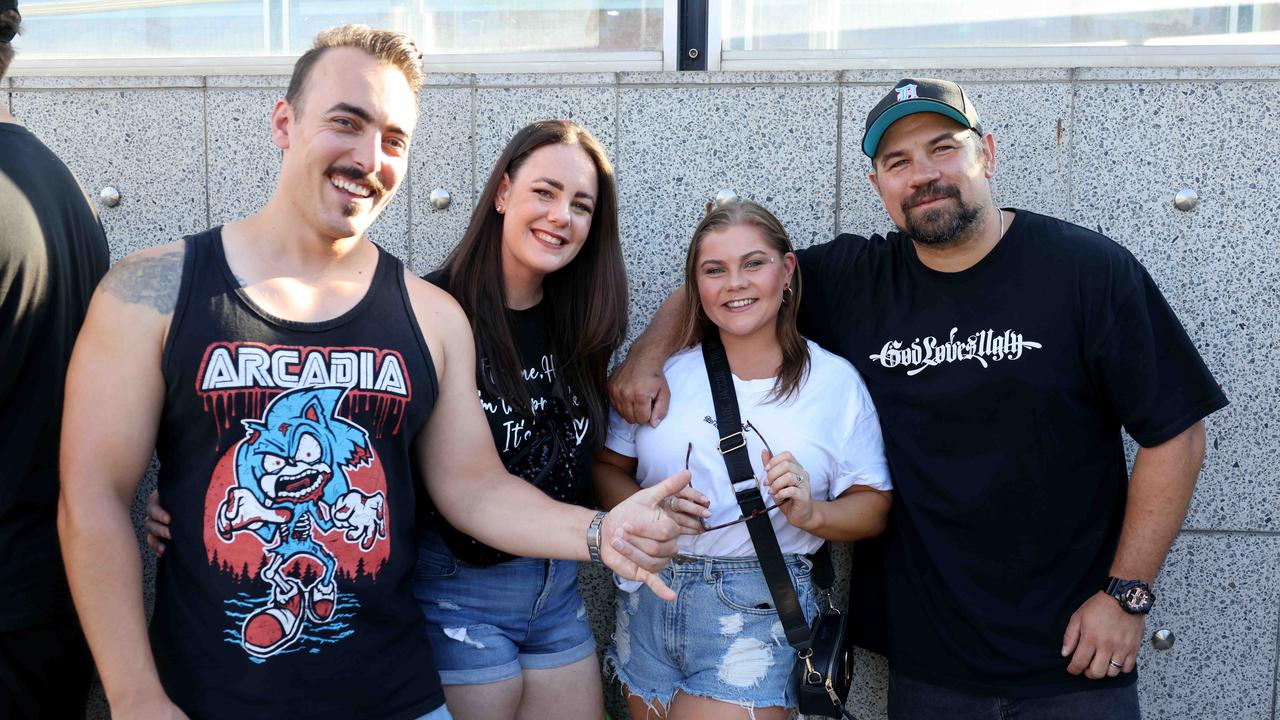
x=114 y=399
x=638 y=388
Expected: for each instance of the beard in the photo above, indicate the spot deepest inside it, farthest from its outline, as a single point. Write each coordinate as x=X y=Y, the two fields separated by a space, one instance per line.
x=938 y=226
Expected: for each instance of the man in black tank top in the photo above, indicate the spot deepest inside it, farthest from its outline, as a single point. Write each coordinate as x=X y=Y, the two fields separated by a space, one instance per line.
x=292 y=377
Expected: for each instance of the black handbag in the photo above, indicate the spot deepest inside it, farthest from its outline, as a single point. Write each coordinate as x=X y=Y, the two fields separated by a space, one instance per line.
x=822 y=673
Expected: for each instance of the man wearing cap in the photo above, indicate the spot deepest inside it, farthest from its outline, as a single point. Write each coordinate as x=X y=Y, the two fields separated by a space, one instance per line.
x=52 y=254
x=1005 y=351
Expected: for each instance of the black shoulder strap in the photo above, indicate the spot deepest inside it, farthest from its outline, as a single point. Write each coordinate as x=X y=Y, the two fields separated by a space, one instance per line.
x=733 y=447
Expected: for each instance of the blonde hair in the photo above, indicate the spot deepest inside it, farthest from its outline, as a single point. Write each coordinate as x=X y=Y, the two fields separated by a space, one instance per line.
x=393 y=48
x=795 y=351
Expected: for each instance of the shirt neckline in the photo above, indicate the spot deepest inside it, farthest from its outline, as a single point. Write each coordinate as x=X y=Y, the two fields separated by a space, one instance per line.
x=1012 y=235
x=220 y=257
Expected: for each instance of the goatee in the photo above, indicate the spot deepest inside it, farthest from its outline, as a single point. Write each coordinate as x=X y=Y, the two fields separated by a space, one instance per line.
x=941 y=225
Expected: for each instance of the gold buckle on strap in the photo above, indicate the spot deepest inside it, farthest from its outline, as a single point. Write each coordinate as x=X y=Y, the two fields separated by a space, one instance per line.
x=742 y=442
x=811 y=676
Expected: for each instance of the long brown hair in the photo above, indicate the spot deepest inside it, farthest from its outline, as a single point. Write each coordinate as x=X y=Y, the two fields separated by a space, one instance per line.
x=795 y=351
x=586 y=300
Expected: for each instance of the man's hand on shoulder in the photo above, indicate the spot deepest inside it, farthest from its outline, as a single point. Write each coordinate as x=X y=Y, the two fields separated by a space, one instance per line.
x=638 y=388
x=1100 y=636
x=639 y=391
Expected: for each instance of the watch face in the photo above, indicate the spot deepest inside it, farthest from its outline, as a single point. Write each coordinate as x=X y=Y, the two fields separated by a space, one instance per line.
x=1136 y=599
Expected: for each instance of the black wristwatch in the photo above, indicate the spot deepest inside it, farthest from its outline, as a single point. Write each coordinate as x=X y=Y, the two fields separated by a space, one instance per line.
x=1134 y=596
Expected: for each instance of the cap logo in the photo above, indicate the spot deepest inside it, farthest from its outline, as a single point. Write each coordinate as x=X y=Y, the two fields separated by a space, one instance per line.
x=907 y=92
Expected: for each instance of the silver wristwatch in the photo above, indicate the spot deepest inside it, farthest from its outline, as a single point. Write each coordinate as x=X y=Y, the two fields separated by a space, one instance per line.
x=593 y=536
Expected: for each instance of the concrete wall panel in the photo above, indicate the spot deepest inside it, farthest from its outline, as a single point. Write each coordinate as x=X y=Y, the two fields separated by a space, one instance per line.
x=1031 y=124
x=869 y=695
x=148 y=143
x=772 y=144
x=501 y=111
x=441 y=157
x=1219 y=594
x=1225 y=284
x=244 y=163
x=861 y=211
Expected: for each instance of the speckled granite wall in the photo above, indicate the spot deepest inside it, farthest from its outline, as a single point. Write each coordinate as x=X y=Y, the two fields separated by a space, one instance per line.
x=1106 y=148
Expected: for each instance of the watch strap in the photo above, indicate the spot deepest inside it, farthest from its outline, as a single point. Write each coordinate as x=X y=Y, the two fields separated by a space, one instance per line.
x=1118 y=587
x=593 y=537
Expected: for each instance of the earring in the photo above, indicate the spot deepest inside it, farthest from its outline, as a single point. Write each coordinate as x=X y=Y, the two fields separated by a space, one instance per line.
x=500 y=209
x=787 y=294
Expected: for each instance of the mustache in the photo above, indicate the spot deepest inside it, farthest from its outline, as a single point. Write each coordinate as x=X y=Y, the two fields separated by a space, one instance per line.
x=352 y=173
x=933 y=191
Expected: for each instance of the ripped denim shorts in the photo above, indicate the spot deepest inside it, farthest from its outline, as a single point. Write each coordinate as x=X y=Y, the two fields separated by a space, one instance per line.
x=489 y=623
x=721 y=638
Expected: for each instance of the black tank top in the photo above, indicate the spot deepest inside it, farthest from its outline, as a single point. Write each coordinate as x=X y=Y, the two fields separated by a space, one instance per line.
x=285 y=461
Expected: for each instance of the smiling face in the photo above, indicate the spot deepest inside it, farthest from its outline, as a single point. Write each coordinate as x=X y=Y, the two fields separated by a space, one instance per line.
x=345 y=142
x=547 y=206
x=740 y=278
x=933 y=176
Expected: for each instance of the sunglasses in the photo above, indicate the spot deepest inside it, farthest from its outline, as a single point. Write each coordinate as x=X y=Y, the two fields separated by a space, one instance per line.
x=742 y=441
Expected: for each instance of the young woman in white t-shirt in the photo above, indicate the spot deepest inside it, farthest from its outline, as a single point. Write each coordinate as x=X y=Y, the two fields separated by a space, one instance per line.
x=720 y=651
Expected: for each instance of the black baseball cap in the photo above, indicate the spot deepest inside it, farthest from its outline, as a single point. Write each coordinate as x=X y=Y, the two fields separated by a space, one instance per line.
x=914 y=95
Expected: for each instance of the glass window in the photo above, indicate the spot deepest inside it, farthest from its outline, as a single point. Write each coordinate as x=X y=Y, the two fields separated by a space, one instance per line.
x=908 y=24
x=471 y=26
x=64 y=29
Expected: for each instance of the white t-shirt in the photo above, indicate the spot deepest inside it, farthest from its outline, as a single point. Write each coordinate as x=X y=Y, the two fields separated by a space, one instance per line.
x=829 y=425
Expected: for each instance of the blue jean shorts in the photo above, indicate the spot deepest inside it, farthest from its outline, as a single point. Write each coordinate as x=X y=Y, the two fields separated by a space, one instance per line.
x=721 y=638
x=487 y=624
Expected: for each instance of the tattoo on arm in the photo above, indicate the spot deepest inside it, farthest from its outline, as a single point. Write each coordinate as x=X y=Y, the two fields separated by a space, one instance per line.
x=149 y=280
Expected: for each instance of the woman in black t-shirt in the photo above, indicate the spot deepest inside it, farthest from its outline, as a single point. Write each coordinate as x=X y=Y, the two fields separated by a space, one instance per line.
x=540 y=274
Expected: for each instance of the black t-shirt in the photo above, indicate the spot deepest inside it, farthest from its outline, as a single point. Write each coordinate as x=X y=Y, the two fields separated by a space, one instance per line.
x=1002 y=390
x=552 y=448
x=52 y=255
x=285 y=461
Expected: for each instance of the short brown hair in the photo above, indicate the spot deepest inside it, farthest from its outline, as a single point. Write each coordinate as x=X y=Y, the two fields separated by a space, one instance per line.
x=393 y=48
x=10 y=25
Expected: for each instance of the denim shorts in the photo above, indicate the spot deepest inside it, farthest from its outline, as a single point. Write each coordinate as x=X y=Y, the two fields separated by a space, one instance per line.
x=488 y=623
x=721 y=638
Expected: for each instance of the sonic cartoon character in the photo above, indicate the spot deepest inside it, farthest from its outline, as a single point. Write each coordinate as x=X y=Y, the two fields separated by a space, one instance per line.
x=291 y=479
